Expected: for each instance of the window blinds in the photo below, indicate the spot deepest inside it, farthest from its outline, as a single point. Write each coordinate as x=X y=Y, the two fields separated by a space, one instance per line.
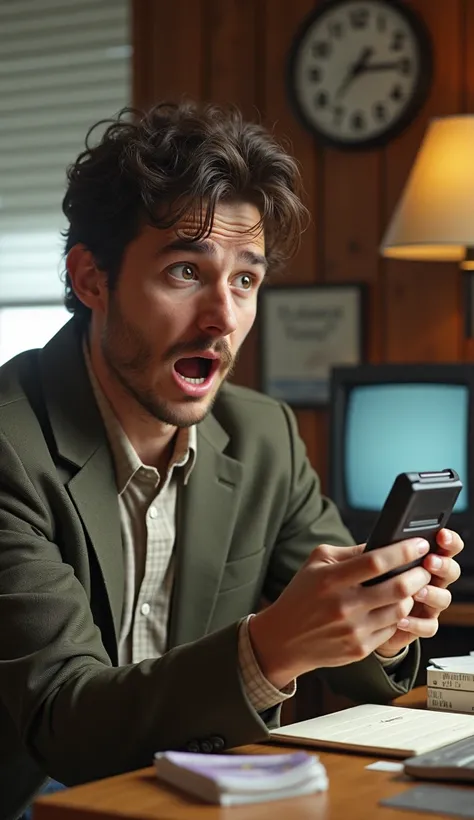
x=64 y=64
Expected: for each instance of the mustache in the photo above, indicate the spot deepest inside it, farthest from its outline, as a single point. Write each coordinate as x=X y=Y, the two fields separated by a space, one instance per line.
x=202 y=345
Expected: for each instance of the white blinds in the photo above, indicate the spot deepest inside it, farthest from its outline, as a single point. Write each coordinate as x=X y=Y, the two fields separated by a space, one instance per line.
x=64 y=64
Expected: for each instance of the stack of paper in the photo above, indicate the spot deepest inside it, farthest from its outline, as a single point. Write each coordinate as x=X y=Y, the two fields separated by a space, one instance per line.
x=451 y=684
x=233 y=779
x=394 y=731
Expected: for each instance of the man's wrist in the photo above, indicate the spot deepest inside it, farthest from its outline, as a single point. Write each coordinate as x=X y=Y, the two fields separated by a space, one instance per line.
x=267 y=653
x=260 y=691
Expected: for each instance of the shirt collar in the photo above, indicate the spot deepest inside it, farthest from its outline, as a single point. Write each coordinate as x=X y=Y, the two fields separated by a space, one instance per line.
x=126 y=460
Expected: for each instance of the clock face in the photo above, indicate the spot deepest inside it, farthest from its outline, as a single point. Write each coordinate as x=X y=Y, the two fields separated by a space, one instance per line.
x=359 y=71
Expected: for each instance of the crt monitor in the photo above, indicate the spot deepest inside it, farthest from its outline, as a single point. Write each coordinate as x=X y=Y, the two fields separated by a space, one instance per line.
x=389 y=418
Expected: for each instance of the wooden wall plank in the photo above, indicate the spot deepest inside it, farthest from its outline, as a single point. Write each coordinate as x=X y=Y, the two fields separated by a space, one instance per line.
x=168 y=55
x=468 y=107
x=351 y=222
x=422 y=315
x=282 y=19
x=141 y=12
x=468 y=53
x=231 y=54
x=351 y=228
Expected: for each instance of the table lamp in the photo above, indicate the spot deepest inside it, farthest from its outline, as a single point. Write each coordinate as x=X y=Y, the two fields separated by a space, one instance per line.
x=434 y=218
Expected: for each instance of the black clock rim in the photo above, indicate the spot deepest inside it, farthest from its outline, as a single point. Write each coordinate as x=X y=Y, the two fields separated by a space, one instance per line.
x=417 y=101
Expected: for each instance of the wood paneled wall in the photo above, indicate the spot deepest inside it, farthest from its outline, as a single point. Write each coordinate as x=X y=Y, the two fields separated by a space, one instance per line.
x=235 y=50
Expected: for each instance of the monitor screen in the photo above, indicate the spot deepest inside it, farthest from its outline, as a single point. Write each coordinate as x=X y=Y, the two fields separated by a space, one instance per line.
x=398 y=428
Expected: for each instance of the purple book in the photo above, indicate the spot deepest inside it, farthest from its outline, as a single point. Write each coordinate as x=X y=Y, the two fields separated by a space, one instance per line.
x=229 y=778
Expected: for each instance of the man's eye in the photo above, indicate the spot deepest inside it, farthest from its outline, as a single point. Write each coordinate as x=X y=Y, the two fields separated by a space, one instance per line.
x=183 y=272
x=244 y=281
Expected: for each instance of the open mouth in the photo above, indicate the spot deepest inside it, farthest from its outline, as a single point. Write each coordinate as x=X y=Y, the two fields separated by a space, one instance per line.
x=197 y=369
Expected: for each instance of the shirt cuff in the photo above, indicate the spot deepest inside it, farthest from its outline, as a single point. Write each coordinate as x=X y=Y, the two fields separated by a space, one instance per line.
x=260 y=692
x=390 y=664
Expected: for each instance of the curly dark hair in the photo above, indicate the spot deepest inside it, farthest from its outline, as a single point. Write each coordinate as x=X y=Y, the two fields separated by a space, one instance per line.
x=154 y=167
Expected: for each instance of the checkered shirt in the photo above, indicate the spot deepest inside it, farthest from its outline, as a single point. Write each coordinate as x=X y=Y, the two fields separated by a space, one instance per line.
x=148 y=525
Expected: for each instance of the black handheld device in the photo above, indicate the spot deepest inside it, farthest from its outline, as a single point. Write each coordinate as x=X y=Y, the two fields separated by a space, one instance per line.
x=418 y=505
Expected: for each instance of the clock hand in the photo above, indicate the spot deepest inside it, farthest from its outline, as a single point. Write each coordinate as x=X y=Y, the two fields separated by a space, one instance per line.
x=380 y=66
x=357 y=68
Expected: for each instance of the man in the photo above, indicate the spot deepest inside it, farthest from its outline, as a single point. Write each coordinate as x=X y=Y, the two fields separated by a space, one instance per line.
x=146 y=507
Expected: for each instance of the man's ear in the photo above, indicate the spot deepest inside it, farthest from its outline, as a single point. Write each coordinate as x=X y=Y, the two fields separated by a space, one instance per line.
x=87 y=281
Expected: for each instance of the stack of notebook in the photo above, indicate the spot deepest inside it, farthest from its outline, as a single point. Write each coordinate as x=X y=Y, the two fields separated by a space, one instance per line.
x=451 y=684
x=235 y=779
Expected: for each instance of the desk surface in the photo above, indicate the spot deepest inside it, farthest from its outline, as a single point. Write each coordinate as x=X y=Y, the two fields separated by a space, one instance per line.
x=353 y=792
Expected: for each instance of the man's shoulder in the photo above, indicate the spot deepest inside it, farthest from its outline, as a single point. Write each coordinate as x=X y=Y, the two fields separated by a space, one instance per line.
x=17 y=376
x=243 y=406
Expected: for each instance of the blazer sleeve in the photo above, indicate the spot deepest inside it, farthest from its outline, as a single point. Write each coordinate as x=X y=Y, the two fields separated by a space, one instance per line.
x=312 y=519
x=79 y=717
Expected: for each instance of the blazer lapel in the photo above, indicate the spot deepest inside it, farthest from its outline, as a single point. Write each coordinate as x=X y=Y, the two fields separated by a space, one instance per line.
x=94 y=492
x=207 y=508
x=80 y=438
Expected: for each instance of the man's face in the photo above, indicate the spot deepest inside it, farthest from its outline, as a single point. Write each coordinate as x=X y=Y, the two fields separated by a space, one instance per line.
x=180 y=312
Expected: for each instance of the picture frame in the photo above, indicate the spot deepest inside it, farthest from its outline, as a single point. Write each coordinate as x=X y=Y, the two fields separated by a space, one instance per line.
x=305 y=330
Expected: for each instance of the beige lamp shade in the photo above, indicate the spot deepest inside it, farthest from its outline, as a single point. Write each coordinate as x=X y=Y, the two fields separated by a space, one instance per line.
x=434 y=219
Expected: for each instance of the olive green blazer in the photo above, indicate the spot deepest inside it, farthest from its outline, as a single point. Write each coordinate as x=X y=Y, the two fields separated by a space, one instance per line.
x=249 y=516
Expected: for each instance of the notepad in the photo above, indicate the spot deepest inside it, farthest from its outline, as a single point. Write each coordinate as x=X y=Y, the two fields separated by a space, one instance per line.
x=393 y=731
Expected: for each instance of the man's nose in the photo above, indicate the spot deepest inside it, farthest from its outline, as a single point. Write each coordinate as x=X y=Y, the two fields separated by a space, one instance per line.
x=217 y=312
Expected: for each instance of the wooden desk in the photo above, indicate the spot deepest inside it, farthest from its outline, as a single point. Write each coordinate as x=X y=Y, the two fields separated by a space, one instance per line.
x=353 y=792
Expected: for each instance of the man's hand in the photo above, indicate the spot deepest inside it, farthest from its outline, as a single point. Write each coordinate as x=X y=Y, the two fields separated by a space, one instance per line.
x=431 y=600
x=324 y=617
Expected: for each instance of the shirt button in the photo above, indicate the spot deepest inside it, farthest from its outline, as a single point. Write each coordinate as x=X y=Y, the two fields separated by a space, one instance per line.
x=153 y=512
x=145 y=609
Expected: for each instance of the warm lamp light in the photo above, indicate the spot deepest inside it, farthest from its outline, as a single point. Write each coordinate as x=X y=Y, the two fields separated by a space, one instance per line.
x=434 y=218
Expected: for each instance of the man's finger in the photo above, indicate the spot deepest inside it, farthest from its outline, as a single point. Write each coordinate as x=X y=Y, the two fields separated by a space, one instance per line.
x=433 y=597
x=387 y=616
x=377 y=562
x=419 y=627
x=445 y=570
x=330 y=554
x=407 y=584
x=449 y=542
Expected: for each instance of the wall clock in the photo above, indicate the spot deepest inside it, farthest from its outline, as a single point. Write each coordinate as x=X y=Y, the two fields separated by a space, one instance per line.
x=359 y=71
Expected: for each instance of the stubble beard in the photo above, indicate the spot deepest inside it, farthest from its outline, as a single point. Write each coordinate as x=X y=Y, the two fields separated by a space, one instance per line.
x=129 y=357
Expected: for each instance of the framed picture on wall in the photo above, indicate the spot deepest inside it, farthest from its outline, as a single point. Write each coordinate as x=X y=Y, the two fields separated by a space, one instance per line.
x=305 y=331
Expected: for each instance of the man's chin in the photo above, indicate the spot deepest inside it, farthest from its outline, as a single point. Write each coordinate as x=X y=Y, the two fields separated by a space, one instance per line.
x=189 y=413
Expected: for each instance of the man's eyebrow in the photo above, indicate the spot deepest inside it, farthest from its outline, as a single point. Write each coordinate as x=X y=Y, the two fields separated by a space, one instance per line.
x=252 y=258
x=204 y=247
